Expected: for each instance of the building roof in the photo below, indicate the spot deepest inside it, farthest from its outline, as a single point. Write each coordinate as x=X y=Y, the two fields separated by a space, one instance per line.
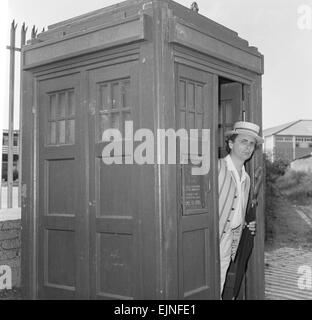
x=294 y=128
x=303 y=158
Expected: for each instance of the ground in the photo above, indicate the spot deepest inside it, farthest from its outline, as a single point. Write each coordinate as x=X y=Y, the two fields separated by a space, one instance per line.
x=285 y=228
x=288 y=250
x=14 y=294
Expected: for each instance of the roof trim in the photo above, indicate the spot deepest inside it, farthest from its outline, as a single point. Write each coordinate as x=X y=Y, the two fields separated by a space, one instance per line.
x=287 y=127
x=280 y=128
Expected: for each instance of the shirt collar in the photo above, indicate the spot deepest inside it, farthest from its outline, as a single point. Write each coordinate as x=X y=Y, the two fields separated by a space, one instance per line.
x=231 y=167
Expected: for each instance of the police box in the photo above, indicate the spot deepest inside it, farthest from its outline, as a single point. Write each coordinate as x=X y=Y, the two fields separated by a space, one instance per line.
x=95 y=229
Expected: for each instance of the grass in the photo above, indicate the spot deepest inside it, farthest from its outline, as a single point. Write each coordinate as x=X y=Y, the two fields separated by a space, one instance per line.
x=283 y=226
x=287 y=229
x=296 y=186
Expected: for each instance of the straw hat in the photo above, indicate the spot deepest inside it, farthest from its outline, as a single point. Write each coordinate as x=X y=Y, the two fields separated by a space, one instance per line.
x=248 y=128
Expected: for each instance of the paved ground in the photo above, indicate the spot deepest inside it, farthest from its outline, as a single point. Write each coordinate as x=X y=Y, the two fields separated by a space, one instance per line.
x=9 y=214
x=288 y=271
x=288 y=274
x=288 y=256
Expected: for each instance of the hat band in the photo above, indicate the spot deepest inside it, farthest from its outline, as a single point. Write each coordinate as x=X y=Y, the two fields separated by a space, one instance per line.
x=246 y=129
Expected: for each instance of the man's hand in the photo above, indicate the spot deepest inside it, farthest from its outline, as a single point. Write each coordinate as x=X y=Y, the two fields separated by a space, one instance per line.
x=252 y=227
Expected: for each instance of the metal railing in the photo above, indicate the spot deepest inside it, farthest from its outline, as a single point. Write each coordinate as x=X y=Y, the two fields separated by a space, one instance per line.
x=9 y=148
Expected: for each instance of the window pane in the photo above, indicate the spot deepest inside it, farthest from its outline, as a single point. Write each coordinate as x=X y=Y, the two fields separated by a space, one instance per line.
x=104 y=124
x=115 y=93
x=71 y=131
x=125 y=93
x=52 y=113
x=61 y=125
x=105 y=97
x=62 y=132
x=115 y=120
x=182 y=94
x=61 y=105
x=71 y=104
x=199 y=98
x=191 y=120
x=190 y=96
x=52 y=133
x=115 y=96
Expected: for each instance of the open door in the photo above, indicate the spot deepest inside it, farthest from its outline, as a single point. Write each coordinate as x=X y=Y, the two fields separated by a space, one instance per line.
x=233 y=106
x=230 y=109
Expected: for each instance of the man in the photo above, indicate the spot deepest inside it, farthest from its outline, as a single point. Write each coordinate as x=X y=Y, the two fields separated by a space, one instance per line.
x=234 y=185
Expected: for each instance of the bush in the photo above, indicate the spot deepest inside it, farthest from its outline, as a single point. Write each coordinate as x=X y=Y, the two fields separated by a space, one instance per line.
x=273 y=171
x=295 y=185
x=281 y=181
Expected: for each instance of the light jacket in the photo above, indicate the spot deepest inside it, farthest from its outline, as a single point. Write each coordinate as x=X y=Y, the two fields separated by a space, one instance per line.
x=228 y=202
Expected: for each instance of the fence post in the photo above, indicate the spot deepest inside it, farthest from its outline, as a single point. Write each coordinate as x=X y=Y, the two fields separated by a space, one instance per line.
x=1 y=148
x=11 y=114
x=23 y=41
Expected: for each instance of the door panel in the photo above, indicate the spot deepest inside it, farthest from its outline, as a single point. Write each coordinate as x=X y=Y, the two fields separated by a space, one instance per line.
x=113 y=187
x=59 y=200
x=196 y=234
x=230 y=110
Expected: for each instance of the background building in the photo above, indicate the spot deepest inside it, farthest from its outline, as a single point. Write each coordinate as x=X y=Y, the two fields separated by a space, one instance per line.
x=5 y=143
x=289 y=141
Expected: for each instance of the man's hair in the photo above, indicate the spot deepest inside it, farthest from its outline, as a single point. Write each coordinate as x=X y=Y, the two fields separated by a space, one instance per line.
x=229 y=138
x=232 y=138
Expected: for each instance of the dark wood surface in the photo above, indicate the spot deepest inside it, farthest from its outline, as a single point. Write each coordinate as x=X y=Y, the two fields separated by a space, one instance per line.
x=93 y=231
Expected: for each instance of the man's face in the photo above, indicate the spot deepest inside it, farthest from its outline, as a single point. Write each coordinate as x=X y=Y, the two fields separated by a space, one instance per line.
x=243 y=147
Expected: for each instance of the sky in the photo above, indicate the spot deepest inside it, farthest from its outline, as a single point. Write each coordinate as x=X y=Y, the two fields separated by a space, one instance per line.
x=281 y=30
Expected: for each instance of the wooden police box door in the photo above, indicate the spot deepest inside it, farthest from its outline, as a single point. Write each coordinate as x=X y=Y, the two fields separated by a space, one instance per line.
x=61 y=261
x=197 y=237
x=114 y=193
